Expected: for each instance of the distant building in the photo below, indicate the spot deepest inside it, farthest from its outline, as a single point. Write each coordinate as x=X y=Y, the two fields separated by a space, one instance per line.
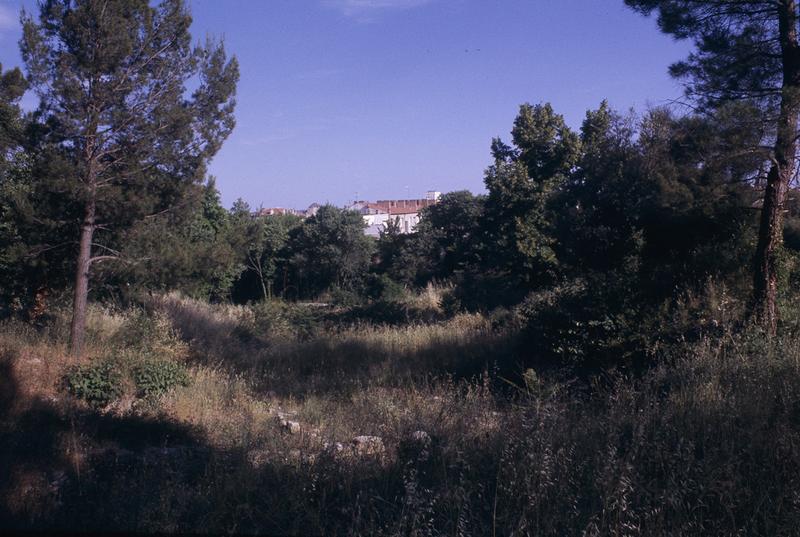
x=376 y=214
x=312 y=210
x=303 y=213
x=405 y=213
x=272 y=211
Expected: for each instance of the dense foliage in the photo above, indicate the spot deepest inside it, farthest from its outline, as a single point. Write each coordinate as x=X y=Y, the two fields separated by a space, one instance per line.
x=600 y=235
x=616 y=221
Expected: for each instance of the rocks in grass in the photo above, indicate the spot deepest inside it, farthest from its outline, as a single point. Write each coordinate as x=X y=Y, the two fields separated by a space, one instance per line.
x=333 y=447
x=288 y=424
x=293 y=427
x=418 y=447
x=422 y=438
x=367 y=445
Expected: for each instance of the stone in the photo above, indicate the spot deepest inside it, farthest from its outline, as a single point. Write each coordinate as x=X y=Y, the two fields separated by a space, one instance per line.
x=368 y=445
x=292 y=426
x=336 y=447
x=417 y=447
x=421 y=437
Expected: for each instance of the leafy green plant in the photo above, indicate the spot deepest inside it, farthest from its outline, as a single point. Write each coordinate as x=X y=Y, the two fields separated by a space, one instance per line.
x=155 y=378
x=343 y=297
x=382 y=287
x=451 y=303
x=97 y=384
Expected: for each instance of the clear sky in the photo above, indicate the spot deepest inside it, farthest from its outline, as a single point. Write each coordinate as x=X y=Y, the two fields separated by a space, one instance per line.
x=388 y=97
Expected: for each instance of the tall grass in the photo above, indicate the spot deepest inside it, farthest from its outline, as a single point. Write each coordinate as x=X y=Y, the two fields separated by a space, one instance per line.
x=706 y=442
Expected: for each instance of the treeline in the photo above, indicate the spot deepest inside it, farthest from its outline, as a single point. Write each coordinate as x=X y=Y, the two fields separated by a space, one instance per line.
x=604 y=240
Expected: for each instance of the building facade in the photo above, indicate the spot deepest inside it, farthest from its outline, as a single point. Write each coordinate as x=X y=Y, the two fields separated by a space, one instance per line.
x=404 y=213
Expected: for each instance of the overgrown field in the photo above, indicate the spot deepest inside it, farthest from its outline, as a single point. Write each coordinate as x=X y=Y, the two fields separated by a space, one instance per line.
x=302 y=420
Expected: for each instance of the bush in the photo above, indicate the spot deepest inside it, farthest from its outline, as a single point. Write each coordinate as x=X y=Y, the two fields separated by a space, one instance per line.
x=151 y=333
x=97 y=384
x=451 y=303
x=344 y=298
x=577 y=325
x=155 y=378
x=382 y=287
x=276 y=319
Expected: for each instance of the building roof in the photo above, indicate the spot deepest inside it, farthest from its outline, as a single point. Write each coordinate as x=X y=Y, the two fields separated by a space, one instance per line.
x=406 y=204
x=404 y=210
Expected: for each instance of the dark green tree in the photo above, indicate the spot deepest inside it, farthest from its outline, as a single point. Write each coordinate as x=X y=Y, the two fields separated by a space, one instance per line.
x=596 y=208
x=329 y=250
x=14 y=187
x=698 y=222
x=12 y=88
x=746 y=50
x=113 y=76
x=522 y=181
x=194 y=248
x=391 y=247
x=449 y=234
x=264 y=243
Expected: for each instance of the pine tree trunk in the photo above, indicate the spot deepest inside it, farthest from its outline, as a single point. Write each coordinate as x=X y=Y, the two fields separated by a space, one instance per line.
x=263 y=285
x=770 y=235
x=770 y=238
x=78 y=327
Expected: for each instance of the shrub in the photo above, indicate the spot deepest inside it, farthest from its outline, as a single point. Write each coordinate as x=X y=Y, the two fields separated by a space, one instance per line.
x=276 y=319
x=342 y=297
x=382 y=287
x=97 y=384
x=451 y=303
x=577 y=325
x=149 y=332
x=155 y=378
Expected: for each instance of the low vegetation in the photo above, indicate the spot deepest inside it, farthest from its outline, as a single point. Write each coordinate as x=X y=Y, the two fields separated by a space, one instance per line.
x=224 y=419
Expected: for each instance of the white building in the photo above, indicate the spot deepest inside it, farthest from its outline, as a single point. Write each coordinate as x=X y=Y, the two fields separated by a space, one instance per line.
x=405 y=213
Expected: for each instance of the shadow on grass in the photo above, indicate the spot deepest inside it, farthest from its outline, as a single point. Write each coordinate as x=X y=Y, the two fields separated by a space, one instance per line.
x=718 y=457
x=53 y=453
x=70 y=469
x=345 y=360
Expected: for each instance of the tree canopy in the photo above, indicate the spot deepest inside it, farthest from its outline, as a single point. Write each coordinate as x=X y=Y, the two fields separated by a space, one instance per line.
x=113 y=78
x=746 y=50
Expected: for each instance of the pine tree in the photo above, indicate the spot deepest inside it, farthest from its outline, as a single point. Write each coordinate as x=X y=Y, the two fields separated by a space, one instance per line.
x=746 y=50
x=113 y=77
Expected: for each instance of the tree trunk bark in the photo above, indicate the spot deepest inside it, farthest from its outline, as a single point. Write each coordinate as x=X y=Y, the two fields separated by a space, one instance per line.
x=770 y=235
x=263 y=285
x=78 y=327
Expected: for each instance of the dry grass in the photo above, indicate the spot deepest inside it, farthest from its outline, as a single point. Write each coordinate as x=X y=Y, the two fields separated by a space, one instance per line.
x=705 y=443
x=338 y=360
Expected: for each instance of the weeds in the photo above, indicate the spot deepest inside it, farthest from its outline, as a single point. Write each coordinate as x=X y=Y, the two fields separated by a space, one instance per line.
x=703 y=443
x=97 y=384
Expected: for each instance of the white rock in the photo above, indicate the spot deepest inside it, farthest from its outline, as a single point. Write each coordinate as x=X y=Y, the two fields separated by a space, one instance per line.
x=367 y=445
x=292 y=426
x=336 y=447
x=421 y=437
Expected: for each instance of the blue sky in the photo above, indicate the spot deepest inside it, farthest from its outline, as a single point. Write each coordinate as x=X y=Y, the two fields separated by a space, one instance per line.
x=388 y=97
